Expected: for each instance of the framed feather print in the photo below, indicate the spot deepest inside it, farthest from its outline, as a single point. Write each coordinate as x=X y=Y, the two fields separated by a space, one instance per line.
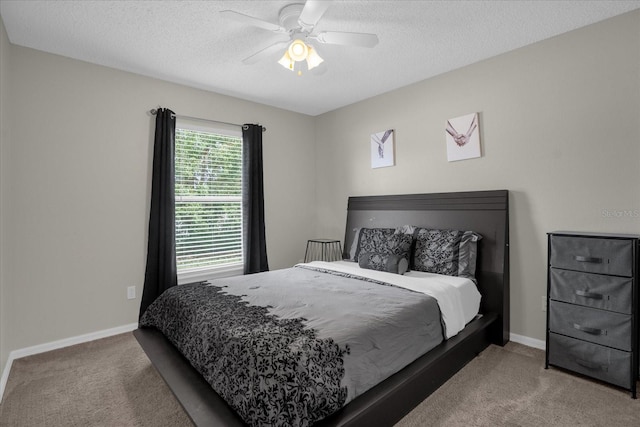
x=463 y=137
x=382 y=150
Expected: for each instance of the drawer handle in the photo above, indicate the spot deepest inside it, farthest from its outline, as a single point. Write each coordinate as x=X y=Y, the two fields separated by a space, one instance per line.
x=591 y=365
x=590 y=259
x=588 y=294
x=588 y=330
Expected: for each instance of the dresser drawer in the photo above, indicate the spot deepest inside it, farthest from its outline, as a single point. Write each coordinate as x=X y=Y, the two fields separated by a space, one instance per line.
x=593 y=290
x=592 y=255
x=603 y=363
x=590 y=324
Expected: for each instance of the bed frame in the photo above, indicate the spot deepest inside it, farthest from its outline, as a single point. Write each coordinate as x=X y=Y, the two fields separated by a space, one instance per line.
x=486 y=212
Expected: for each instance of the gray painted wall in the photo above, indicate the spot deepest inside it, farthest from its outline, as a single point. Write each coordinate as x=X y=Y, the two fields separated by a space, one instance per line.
x=4 y=136
x=77 y=203
x=560 y=129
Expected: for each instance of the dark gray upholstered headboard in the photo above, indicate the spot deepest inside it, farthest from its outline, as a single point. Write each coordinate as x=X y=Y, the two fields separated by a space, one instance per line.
x=485 y=212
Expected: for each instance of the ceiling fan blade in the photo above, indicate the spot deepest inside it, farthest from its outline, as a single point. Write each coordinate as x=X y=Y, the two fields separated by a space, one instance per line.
x=312 y=12
x=246 y=19
x=266 y=52
x=347 y=39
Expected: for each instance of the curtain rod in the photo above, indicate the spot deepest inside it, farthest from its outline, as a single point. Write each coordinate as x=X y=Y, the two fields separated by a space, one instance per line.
x=153 y=111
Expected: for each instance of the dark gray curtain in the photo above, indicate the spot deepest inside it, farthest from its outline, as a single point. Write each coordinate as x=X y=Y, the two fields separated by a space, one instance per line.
x=161 y=271
x=255 y=248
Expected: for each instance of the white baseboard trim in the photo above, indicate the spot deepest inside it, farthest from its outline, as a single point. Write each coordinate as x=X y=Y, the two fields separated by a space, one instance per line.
x=54 y=345
x=5 y=376
x=529 y=342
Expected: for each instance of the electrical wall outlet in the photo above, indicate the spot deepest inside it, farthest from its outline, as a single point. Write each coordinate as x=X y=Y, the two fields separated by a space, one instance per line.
x=131 y=292
x=544 y=303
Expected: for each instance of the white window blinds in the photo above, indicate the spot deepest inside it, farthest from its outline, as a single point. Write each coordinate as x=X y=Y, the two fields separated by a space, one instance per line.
x=208 y=188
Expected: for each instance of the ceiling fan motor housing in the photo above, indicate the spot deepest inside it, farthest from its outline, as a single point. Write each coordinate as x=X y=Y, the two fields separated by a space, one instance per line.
x=289 y=16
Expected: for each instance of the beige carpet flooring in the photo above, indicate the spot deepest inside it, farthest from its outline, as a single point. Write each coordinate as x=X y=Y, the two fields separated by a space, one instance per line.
x=110 y=382
x=508 y=386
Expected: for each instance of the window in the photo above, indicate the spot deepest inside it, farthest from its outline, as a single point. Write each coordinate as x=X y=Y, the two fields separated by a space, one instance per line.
x=208 y=189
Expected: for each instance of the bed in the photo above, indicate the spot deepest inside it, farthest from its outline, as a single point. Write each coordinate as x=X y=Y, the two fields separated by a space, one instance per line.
x=484 y=212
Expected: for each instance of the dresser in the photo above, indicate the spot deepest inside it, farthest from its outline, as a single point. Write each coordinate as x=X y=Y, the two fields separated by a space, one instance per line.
x=592 y=306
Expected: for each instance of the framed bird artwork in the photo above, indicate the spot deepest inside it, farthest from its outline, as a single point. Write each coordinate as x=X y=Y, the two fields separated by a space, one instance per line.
x=463 y=137
x=382 y=150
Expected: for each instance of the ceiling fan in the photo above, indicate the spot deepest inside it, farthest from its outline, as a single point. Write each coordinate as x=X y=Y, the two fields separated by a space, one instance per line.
x=298 y=21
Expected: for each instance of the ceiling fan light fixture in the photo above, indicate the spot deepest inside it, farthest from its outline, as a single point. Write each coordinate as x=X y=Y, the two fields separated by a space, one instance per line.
x=298 y=50
x=286 y=61
x=313 y=59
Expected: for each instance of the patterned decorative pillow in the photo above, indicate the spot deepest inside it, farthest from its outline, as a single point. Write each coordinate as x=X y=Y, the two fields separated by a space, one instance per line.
x=449 y=252
x=390 y=263
x=400 y=244
x=371 y=240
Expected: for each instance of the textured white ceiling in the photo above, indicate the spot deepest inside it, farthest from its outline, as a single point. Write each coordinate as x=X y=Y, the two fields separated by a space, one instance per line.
x=189 y=42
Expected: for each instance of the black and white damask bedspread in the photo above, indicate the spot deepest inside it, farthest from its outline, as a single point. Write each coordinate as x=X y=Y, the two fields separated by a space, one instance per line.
x=290 y=347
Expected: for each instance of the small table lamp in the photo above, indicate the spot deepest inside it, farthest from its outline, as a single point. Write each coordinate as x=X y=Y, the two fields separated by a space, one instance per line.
x=323 y=250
